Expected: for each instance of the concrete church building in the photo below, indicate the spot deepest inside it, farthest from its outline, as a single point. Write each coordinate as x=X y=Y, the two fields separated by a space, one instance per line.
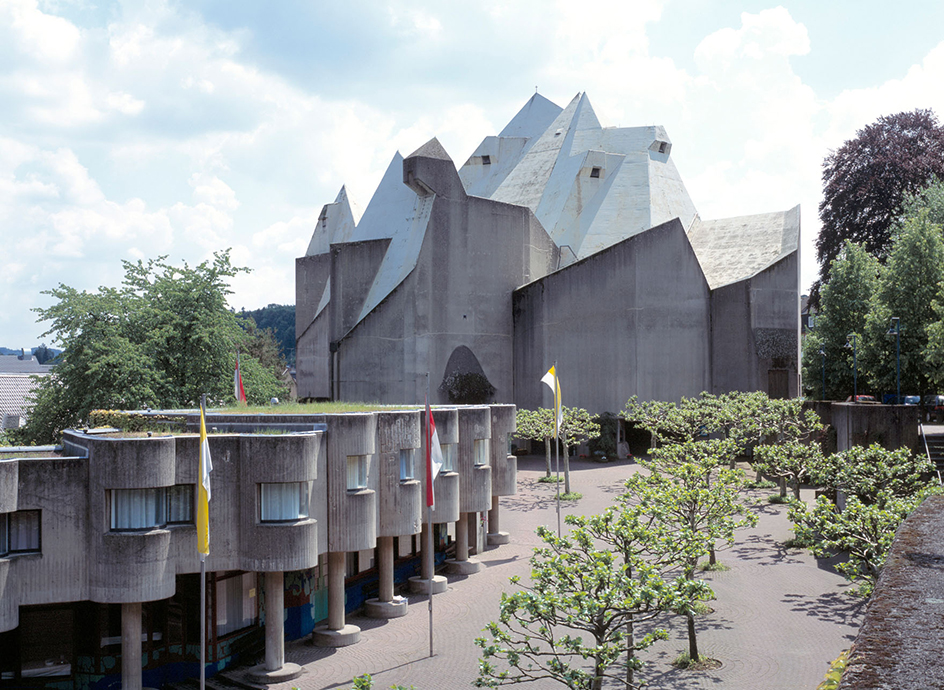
x=558 y=240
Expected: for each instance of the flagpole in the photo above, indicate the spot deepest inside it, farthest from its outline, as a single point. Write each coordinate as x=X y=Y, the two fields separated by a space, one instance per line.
x=557 y=442
x=429 y=518
x=203 y=616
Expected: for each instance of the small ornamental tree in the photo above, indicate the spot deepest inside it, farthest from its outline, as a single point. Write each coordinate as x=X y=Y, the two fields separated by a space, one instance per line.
x=867 y=472
x=862 y=531
x=570 y=624
x=790 y=461
x=537 y=425
x=576 y=428
x=698 y=502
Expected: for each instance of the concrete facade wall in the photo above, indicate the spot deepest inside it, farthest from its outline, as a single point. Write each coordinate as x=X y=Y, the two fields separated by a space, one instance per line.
x=504 y=464
x=475 y=481
x=446 y=486
x=890 y=426
x=637 y=323
x=312 y=275
x=400 y=509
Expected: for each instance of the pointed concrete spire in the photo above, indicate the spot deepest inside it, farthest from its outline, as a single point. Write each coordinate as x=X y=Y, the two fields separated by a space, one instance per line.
x=336 y=223
x=431 y=149
x=531 y=121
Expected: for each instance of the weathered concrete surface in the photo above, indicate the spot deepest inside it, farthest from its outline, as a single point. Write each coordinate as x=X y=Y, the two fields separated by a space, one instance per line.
x=890 y=426
x=899 y=645
x=632 y=319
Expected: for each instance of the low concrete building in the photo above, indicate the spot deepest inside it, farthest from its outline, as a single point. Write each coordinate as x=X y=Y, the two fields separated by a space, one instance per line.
x=311 y=517
x=559 y=240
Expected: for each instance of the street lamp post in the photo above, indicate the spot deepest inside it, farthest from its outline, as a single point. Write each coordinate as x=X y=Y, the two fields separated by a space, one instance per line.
x=822 y=352
x=851 y=342
x=896 y=329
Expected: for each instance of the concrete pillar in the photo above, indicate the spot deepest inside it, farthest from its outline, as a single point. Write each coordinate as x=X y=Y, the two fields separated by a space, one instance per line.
x=336 y=572
x=336 y=633
x=495 y=535
x=274 y=670
x=274 y=627
x=426 y=563
x=462 y=537
x=386 y=605
x=465 y=529
x=385 y=568
x=427 y=579
x=131 y=646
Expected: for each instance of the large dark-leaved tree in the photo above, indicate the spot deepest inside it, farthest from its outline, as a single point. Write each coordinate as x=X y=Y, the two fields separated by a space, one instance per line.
x=162 y=339
x=866 y=180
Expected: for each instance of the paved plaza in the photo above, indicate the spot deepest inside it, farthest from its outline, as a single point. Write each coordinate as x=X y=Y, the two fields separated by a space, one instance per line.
x=779 y=618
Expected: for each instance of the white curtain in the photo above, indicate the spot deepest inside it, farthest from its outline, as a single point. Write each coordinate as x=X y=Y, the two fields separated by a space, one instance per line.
x=284 y=501
x=480 y=451
x=356 y=471
x=180 y=503
x=449 y=456
x=137 y=508
x=407 y=456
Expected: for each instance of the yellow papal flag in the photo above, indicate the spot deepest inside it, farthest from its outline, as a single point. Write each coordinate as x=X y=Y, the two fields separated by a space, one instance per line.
x=203 y=491
x=551 y=381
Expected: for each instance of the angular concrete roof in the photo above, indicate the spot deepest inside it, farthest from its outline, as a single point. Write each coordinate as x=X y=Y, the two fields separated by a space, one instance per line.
x=733 y=249
x=336 y=223
x=590 y=186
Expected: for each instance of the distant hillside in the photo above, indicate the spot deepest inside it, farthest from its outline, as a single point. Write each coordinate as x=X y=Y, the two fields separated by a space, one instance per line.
x=281 y=319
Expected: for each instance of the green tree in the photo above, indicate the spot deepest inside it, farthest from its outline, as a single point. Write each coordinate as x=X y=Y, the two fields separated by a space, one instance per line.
x=866 y=180
x=576 y=427
x=790 y=461
x=907 y=287
x=537 y=425
x=162 y=339
x=866 y=472
x=844 y=305
x=570 y=624
x=697 y=500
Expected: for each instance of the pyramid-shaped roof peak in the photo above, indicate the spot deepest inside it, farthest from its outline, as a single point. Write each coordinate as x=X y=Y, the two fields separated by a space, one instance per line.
x=431 y=149
x=534 y=117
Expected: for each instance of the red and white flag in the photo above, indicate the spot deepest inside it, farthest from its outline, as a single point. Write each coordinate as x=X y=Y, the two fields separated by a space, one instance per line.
x=238 y=389
x=434 y=458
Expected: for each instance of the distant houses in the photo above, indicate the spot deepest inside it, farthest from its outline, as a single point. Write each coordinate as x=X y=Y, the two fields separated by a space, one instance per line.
x=17 y=379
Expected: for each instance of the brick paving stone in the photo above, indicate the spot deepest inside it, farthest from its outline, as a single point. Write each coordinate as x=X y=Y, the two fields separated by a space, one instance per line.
x=779 y=619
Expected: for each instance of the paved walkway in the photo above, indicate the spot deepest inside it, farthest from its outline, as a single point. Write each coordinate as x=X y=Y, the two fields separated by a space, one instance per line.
x=779 y=618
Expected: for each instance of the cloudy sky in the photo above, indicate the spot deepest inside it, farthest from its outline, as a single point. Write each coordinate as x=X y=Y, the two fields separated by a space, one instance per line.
x=134 y=129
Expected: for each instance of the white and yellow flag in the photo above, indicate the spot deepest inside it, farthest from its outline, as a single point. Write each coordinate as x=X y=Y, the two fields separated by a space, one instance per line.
x=550 y=379
x=203 y=490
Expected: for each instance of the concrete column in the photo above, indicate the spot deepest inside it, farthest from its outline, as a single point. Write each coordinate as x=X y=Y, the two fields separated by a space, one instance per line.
x=462 y=537
x=386 y=605
x=336 y=590
x=495 y=535
x=426 y=563
x=465 y=530
x=385 y=568
x=274 y=670
x=336 y=633
x=131 y=646
x=274 y=628
x=427 y=580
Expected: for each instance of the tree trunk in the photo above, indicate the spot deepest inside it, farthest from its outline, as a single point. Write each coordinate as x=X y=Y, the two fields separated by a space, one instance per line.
x=566 y=469
x=692 y=640
x=630 y=651
x=783 y=487
x=796 y=488
x=711 y=555
x=547 y=456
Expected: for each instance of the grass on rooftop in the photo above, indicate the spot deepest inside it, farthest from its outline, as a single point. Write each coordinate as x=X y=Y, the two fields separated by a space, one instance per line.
x=310 y=408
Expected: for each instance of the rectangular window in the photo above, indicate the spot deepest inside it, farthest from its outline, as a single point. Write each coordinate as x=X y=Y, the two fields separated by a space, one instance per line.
x=356 y=472
x=480 y=451
x=283 y=501
x=449 y=457
x=236 y=603
x=20 y=532
x=180 y=504
x=407 y=456
x=133 y=509
x=594 y=172
x=486 y=160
